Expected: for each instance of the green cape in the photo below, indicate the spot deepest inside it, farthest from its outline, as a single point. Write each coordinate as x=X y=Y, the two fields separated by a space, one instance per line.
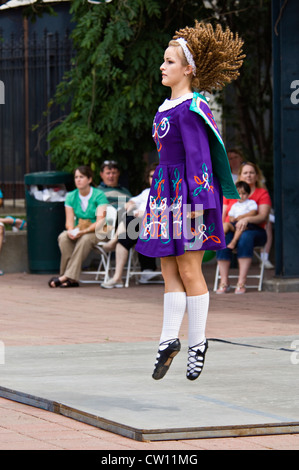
x=220 y=161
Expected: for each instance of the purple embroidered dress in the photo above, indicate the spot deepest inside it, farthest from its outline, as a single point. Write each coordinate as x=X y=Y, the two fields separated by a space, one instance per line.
x=183 y=182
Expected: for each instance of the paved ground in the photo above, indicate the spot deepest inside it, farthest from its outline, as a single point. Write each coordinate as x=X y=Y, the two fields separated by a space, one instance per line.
x=33 y=315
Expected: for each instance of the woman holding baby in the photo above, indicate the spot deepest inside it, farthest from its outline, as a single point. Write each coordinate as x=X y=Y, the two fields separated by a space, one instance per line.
x=252 y=175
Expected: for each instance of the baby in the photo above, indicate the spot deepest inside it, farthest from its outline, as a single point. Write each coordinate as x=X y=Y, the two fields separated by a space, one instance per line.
x=243 y=208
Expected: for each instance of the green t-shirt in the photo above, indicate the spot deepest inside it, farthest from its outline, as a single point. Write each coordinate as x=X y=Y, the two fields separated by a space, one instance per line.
x=96 y=199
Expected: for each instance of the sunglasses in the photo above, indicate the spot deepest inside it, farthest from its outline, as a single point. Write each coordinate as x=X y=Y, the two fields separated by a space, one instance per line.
x=110 y=162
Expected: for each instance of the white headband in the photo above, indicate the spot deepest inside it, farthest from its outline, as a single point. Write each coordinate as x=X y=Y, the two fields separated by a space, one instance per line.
x=188 y=55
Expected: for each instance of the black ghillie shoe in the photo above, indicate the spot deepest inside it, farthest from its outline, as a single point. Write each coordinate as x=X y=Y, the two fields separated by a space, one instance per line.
x=196 y=360
x=165 y=357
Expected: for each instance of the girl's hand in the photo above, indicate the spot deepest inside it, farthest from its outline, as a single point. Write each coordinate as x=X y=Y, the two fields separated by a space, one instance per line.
x=138 y=213
x=194 y=214
x=129 y=206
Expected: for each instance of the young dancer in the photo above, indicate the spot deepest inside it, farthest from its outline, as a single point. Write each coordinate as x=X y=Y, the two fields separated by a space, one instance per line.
x=184 y=210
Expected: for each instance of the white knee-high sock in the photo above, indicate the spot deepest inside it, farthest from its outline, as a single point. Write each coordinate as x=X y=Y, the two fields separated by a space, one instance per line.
x=174 y=310
x=198 y=306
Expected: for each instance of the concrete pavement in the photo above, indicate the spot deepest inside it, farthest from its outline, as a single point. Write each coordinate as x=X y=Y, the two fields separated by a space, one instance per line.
x=256 y=331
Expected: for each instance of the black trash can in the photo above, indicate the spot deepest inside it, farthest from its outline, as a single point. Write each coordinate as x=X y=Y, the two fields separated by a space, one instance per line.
x=45 y=194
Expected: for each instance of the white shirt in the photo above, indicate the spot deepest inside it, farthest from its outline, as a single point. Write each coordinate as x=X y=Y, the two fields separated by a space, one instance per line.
x=241 y=208
x=140 y=200
x=84 y=200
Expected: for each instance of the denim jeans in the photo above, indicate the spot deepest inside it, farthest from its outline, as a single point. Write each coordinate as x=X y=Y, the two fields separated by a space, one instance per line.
x=248 y=240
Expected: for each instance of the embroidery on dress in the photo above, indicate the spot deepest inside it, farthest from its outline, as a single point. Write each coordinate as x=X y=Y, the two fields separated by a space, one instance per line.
x=201 y=106
x=176 y=205
x=159 y=131
x=205 y=183
x=155 y=223
x=203 y=234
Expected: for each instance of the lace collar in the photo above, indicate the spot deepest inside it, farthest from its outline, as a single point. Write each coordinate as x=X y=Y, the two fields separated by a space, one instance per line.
x=169 y=104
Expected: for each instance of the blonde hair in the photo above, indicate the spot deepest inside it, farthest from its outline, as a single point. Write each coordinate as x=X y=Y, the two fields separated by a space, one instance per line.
x=260 y=182
x=217 y=55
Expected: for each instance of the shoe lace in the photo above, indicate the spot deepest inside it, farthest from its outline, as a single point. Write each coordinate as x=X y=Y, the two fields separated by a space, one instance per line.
x=196 y=358
x=164 y=345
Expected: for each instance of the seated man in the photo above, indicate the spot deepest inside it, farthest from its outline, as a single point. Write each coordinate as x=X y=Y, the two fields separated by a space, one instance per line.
x=126 y=237
x=116 y=194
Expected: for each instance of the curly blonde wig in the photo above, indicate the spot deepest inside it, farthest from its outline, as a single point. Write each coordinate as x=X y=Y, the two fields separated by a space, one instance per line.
x=217 y=55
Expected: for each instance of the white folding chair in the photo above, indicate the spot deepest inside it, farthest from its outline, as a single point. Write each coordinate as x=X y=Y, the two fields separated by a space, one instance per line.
x=133 y=269
x=104 y=266
x=259 y=276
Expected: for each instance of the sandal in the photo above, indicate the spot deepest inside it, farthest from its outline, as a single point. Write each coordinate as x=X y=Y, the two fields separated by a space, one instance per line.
x=56 y=281
x=223 y=289
x=69 y=283
x=21 y=226
x=240 y=289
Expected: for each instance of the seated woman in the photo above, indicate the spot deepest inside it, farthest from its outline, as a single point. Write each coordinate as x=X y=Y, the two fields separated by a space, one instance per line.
x=85 y=207
x=252 y=175
x=124 y=239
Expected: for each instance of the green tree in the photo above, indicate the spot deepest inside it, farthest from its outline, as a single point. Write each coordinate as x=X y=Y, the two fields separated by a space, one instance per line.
x=114 y=85
x=247 y=102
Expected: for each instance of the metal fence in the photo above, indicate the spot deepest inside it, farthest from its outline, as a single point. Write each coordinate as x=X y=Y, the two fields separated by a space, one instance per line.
x=30 y=69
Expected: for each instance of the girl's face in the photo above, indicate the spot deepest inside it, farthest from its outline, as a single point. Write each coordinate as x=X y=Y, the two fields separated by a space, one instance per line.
x=243 y=195
x=81 y=181
x=173 y=71
x=248 y=175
